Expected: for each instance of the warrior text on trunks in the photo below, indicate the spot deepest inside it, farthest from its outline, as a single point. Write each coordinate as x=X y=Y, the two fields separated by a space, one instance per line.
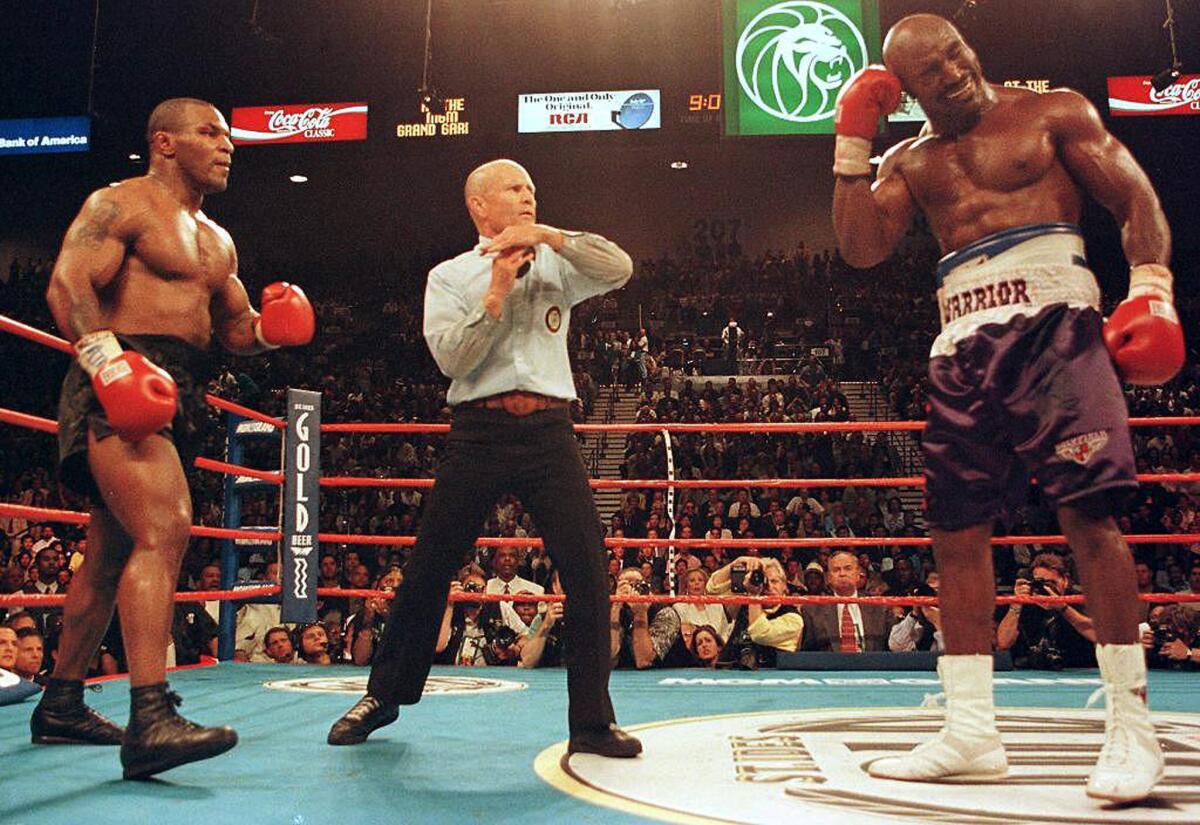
x=999 y=294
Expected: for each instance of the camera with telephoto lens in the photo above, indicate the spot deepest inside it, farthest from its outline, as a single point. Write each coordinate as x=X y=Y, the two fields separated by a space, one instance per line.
x=737 y=577
x=1164 y=634
x=1046 y=655
x=756 y=578
x=740 y=653
x=642 y=588
x=1043 y=587
x=747 y=658
x=472 y=587
x=921 y=589
x=499 y=635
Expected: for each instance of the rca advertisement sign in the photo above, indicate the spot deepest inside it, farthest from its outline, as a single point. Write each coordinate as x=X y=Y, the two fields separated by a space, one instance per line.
x=589 y=111
x=302 y=123
x=786 y=61
x=1132 y=95
x=44 y=135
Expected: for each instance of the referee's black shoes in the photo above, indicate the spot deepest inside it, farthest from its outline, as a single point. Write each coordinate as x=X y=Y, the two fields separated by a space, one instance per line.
x=356 y=725
x=611 y=741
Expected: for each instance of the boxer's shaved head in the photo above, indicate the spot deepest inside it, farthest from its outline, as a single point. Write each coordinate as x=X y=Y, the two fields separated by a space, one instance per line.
x=172 y=115
x=940 y=69
x=914 y=35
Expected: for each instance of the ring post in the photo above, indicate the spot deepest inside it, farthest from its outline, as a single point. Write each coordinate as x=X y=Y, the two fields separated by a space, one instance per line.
x=239 y=430
x=301 y=506
x=234 y=454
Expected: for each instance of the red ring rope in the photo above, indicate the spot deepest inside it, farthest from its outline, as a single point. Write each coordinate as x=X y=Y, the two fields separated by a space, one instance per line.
x=54 y=342
x=46 y=425
x=57 y=599
x=72 y=517
x=699 y=483
x=25 y=331
x=754 y=429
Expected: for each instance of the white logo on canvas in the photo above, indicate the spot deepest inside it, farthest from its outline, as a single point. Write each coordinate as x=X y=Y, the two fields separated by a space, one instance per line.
x=1081 y=448
x=805 y=55
x=461 y=685
x=811 y=766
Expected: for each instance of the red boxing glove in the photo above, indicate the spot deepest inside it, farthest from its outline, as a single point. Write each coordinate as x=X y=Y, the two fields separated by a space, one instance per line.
x=287 y=318
x=866 y=97
x=1143 y=335
x=138 y=398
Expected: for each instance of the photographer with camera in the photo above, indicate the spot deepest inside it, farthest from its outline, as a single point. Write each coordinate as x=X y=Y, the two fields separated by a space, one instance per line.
x=759 y=631
x=919 y=627
x=365 y=628
x=1171 y=638
x=1052 y=637
x=637 y=638
x=475 y=633
x=544 y=645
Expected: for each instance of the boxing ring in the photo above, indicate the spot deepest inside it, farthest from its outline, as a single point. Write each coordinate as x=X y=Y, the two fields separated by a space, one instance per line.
x=488 y=744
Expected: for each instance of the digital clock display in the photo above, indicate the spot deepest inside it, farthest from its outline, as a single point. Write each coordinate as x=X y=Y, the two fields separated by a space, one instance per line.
x=710 y=102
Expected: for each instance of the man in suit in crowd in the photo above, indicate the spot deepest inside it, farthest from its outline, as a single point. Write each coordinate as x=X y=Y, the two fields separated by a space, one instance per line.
x=845 y=628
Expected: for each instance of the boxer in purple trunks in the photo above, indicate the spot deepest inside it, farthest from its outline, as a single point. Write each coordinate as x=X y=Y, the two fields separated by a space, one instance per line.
x=1024 y=374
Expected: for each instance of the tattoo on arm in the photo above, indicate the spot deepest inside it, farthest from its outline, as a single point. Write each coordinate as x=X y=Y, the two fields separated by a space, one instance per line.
x=94 y=229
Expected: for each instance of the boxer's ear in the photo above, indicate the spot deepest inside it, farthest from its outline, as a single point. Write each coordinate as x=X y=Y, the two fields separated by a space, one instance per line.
x=163 y=142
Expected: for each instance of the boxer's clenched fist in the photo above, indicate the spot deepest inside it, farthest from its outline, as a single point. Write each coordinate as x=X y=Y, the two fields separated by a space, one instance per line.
x=866 y=97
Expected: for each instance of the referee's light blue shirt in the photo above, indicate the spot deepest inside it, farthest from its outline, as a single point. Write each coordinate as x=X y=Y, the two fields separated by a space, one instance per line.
x=526 y=347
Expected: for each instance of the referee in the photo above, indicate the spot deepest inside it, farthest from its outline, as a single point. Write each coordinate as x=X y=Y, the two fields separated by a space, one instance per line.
x=496 y=322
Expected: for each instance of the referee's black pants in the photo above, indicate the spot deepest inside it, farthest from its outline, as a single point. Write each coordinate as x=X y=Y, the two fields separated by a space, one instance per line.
x=536 y=457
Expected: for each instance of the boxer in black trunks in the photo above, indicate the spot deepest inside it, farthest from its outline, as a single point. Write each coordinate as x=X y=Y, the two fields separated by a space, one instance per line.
x=1020 y=380
x=143 y=282
x=79 y=411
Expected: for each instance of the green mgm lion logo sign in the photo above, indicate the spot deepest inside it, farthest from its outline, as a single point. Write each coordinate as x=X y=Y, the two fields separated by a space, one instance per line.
x=786 y=61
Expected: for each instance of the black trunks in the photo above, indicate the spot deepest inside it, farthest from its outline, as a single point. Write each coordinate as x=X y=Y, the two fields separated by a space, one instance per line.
x=79 y=410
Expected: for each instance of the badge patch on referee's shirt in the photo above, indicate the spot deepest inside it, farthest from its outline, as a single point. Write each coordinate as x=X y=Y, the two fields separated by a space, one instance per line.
x=1081 y=448
x=553 y=319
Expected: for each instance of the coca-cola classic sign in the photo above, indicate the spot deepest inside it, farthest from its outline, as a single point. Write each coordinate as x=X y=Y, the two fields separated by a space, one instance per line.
x=302 y=123
x=1133 y=95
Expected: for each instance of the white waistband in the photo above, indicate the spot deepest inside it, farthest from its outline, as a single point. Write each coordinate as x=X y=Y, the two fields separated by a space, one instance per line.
x=990 y=294
x=1053 y=243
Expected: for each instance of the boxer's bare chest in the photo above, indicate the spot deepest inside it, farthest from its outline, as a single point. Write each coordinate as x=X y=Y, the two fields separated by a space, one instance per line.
x=180 y=248
x=1005 y=172
x=996 y=158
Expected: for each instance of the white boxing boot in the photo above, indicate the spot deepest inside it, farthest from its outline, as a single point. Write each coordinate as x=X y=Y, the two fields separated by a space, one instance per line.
x=968 y=746
x=1131 y=761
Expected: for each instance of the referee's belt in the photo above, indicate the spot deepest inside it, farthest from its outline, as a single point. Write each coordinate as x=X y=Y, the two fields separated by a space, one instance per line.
x=518 y=402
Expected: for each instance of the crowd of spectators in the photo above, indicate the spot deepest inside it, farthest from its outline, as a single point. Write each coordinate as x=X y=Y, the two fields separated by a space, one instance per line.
x=802 y=323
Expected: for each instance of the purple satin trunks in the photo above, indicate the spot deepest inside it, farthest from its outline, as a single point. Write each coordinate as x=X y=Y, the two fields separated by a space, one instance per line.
x=1037 y=396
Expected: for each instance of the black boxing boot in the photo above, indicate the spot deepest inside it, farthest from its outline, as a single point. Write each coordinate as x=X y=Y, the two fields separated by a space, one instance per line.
x=356 y=724
x=61 y=718
x=159 y=739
